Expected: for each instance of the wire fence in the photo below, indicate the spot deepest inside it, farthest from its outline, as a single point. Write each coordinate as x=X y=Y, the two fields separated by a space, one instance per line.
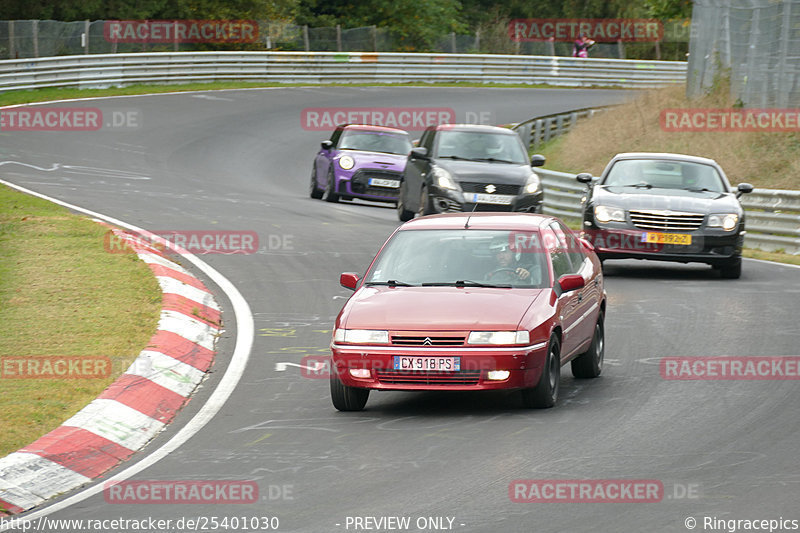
x=20 y=39
x=754 y=42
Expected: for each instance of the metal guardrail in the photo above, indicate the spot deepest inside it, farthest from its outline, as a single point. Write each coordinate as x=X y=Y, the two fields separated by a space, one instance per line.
x=104 y=70
x=537 y=131
x=773 y=216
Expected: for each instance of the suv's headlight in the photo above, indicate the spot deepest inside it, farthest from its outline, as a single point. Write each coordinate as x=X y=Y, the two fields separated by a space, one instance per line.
x=533 y=184
x=346 y=162
x=726 y=221
x=498 y=337
x=604 y=213
x=361 y=336
x=443 y=179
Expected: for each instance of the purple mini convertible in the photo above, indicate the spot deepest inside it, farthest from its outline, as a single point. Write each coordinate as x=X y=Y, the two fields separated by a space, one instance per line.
x=360 y=161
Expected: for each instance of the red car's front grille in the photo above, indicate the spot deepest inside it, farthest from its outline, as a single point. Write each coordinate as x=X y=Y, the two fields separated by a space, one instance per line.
x=424 y=340
x=399 y=377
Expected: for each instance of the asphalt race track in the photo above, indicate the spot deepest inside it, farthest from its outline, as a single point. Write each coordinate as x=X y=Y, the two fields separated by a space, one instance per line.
x=240 y=160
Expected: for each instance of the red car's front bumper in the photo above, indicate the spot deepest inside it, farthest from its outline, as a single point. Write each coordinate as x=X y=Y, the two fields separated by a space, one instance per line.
x=524 y=364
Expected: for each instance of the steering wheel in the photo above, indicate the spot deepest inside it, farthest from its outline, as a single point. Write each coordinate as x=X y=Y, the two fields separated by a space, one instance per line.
x=510 y=273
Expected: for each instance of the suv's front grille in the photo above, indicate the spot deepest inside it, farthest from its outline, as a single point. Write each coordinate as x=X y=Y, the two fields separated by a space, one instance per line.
x=666 y=220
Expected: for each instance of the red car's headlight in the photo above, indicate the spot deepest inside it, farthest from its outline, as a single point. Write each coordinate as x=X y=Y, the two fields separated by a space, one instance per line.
x=498 y=337
x=361 y=336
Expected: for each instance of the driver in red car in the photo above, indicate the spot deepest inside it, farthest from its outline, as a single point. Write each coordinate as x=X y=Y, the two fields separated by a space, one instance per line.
x=507 y=267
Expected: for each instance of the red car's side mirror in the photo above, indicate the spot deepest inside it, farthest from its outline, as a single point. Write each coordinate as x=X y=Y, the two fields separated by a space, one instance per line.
x=349 y=280
x=571 y=282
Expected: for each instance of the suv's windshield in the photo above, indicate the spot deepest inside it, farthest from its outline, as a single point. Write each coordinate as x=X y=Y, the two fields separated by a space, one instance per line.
x=371 y=141
x=648 y=173
x=480 y=146
x=467 y=258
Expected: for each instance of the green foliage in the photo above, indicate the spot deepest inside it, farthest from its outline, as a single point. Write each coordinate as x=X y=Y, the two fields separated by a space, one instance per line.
x=669 y=9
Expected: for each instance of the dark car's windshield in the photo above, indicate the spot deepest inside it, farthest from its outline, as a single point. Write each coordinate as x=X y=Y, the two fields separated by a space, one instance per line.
x=461 y=258
x=480 y=146
x=372 y=141
x=662 y=174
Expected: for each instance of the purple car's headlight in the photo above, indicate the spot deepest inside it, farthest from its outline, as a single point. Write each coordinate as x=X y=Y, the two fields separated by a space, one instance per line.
x=346 y=162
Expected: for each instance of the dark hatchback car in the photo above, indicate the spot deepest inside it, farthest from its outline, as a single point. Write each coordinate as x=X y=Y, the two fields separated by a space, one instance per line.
x=469 y=168
x=669 y=207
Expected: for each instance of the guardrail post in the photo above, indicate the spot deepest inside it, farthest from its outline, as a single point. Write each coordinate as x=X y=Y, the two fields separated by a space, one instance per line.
x=525 y=134
x=305 y=38
x=573 y=121
x=559 y=125
x=374 y=38
x=548 y=127
x=453 y=42
x=86 y=27
x=537 y=137
x=338 y=38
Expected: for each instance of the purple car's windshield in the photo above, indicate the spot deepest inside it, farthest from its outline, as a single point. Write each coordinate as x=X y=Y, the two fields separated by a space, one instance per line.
x=473 y=257
x=371 y=141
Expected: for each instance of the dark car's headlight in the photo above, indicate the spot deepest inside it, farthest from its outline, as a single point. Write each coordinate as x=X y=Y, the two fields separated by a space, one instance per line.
x=726 y=221
x=346 y=162
x=604 y=213
x=533 y=184
x=443 y=179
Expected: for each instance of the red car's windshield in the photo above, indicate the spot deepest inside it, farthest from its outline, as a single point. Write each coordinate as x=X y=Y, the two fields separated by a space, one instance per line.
x=443 y=257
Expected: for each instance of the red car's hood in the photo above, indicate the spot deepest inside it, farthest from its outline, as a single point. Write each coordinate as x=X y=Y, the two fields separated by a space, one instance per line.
x=437 y=308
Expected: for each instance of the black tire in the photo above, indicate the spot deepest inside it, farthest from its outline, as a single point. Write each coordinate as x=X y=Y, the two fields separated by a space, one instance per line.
x=732 y=269
x=425 y=203
x=314 y=191
x=346 y=398
x=402 y=213
x=545 y=394
x=330 y=188
x=590 y=363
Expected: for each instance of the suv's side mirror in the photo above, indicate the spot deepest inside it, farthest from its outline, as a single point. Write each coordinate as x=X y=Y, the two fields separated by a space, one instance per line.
x=327 y=144
x=419 y=152
x=537 y=160
x=584 y=177
x=743 y=188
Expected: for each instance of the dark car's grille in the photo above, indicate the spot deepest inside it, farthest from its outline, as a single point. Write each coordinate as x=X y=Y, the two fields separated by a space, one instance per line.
x=404 y=377
x=417 y=340
x=501 y=188
x=666 y=221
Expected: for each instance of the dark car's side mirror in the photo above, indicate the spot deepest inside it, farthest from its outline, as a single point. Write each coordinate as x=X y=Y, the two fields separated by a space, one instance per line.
x=743 y=188
x=537 y=160
x=420 y=152
x=349 y=280
x=327 y=144
x=584 y=177
x=571 y=282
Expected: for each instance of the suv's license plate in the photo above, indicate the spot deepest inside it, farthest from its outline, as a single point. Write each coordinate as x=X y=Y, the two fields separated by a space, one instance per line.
x=427 y=364
x=499 y=199
x=379 y=182
x=667 y=238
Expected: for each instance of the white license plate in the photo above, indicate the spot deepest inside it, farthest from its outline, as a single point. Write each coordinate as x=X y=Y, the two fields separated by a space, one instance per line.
x=427 y=364
x=379 y=182
x=498 y=199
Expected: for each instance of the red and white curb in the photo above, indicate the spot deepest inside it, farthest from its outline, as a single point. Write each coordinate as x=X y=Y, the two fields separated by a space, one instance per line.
x=133 y=409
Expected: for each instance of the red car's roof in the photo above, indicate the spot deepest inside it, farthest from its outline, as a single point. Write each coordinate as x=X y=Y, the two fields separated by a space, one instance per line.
x=483 y=220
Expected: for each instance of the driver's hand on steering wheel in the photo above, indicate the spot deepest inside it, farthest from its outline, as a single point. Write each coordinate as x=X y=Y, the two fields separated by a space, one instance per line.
x=522 y=273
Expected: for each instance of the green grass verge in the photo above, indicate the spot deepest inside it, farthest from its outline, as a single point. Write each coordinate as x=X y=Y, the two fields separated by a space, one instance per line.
x=62 y=294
